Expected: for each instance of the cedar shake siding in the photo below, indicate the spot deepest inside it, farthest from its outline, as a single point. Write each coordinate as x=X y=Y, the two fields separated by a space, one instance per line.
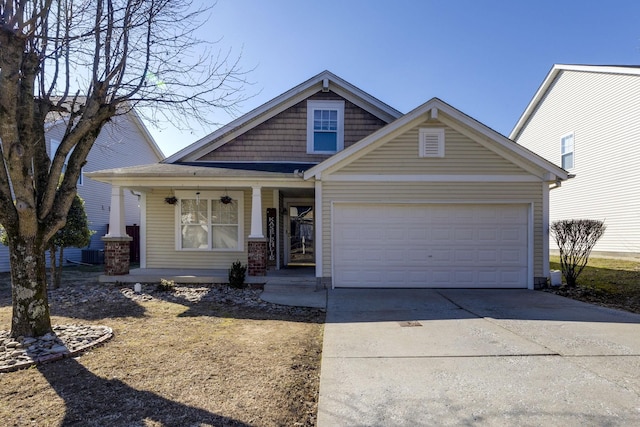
x=284 y=136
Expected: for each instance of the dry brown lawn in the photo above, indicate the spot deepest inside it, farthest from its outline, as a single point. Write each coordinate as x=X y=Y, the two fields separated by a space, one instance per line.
x=173 y=364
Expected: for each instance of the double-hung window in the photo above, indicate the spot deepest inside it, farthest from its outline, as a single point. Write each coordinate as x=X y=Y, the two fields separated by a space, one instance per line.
x=204 y=222
x=325 y=127
x=566 y=152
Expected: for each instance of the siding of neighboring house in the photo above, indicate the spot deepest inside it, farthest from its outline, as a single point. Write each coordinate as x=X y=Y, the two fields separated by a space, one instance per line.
x=121 y=143
x=284 y=136
x=601 y=110
x=161 y=235
x=400 y=156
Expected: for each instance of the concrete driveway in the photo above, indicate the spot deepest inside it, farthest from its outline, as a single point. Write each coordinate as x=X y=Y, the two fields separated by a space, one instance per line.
x=477 y=357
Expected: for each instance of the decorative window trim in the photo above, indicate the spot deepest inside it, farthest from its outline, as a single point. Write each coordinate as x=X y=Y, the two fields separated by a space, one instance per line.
x=53 y=147
x=325 y=105
x=431 y=142
x=568 y=153
x=209 y=196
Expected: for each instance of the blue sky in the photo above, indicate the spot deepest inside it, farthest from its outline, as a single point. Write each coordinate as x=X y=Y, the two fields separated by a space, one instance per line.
x=484 y=57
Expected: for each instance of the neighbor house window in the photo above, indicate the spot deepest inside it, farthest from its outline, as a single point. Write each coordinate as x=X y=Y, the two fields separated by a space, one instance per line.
x=325 y=127
x=566 y=152
x=54 y=147
x=206 y=223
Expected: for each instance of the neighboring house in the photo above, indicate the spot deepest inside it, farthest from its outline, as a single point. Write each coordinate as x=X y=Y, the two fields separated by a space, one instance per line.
x=585 y=119
x=327 y=175
x=124 y=141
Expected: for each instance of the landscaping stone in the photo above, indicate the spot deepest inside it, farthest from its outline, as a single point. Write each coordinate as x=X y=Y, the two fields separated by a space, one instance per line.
x=69 y=340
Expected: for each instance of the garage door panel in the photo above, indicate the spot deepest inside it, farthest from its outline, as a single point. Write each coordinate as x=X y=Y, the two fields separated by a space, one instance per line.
x=430 y=245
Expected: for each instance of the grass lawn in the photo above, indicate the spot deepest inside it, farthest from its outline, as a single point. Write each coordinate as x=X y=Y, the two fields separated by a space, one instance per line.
x=172 y=362
x=607 y=281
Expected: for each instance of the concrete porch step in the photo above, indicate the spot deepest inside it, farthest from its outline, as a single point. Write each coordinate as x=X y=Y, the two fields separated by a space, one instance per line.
x=284 y=284
x=300 y=291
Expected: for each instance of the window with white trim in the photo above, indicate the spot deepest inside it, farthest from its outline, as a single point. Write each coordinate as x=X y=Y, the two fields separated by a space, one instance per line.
x=431 y=142
x=566 y=152
x=325 y=127
x=205 y=222
x=54 y=147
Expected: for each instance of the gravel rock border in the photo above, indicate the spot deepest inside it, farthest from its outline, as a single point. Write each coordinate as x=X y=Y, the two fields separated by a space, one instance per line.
x=65 y=341
x=71 y=340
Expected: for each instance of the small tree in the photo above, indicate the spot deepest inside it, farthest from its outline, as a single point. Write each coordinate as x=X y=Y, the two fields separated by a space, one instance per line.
x=75 y=233
x=576 y=238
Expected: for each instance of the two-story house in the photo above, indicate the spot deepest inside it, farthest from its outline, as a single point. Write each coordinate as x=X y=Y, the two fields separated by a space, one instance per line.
x=585 y=119
x=124 y=141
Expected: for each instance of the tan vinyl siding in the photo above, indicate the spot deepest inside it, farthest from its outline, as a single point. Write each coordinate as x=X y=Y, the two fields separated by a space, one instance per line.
x=161 y=236
x=462 y=156
x=418 y=192
x=284 y=136
x=602 y=112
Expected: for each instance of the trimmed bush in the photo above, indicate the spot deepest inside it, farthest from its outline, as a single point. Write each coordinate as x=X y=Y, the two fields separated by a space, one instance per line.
x=576 y=238
x=237 y=274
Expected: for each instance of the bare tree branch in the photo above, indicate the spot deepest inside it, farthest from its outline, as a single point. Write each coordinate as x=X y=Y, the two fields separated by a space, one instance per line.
x=77 y=64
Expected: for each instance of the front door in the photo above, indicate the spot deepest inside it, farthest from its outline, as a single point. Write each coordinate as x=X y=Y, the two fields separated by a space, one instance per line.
x=301 y=234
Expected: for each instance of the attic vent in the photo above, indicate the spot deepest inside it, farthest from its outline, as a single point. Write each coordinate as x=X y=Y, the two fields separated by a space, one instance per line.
x=431 y=142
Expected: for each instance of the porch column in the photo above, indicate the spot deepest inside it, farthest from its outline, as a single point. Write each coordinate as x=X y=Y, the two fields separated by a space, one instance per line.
x=256 y=214
x=257 y=245
x=116 y=241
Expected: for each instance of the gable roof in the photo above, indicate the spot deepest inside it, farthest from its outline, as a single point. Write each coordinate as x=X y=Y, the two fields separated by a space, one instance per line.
x=551 y=77
x=325 y=79
x=453 y=118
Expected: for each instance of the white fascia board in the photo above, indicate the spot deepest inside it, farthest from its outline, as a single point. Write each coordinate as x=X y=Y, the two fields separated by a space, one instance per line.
x=550 y=78
x=145 y=132
x=542 y=90
x=239 y=126
x=431 y=178
x=368 y=143
x=457 y=120
x=502 y=141
x=608 y=69
x=231 y=182
x=366 y=101
x=279 y=104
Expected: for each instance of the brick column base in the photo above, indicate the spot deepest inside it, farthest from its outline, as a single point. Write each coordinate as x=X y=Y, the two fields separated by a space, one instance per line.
x=257 y=264
x=116 y=255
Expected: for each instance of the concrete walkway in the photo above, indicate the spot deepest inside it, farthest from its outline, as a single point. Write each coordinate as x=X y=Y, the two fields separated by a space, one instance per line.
x=477 y=357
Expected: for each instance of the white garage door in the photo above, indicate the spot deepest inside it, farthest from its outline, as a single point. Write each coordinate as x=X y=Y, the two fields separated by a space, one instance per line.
x=430 y=245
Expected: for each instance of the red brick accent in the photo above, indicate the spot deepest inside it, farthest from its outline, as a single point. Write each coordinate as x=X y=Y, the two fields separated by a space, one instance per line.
x=257 y=264
x=116 y=255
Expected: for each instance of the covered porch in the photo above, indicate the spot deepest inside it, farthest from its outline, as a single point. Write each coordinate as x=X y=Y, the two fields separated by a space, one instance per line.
x=270 y=227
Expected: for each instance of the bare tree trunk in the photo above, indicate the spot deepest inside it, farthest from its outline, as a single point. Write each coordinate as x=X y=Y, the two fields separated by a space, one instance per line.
x=58 y=276
x=29 y=289
x=52 y=267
